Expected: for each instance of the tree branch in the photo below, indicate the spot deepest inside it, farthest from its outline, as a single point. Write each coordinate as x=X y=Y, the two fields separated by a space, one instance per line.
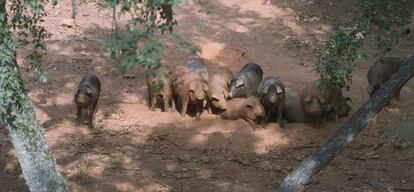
x=301 y=176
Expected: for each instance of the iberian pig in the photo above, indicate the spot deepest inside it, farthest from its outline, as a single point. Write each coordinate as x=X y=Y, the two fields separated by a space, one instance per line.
x=189 y=88
x=246 y=81
x=249 y=109
x=379 y=73
x=293 y=111
x=159 y=84
x=86 y=97
x=318 y=99
x=218 y=90
x=271 y=92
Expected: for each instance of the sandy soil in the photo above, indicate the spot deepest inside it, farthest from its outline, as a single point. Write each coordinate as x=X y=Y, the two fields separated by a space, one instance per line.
x=135 y=149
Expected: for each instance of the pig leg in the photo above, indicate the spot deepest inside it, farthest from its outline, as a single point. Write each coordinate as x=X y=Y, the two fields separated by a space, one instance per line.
x=184 y=103
x=172 y=104
x=166 y=100
x=78 y=114
x=280 y=117
x=251 y=122
x=153 y=102
x=92 y=111
x=198 y=111
x=90 y=115
x=397 y=95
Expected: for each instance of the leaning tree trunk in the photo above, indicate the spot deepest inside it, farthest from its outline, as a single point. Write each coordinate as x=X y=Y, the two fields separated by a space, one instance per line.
x=17 y=115
x=301 y=176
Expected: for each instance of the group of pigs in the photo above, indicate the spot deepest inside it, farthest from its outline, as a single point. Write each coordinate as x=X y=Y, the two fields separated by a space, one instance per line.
x=244 y=95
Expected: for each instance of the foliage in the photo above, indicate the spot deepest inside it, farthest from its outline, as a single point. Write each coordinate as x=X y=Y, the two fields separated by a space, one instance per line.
x=337 y=59
x=25 y=18
x=16 y=110
x=141 y=42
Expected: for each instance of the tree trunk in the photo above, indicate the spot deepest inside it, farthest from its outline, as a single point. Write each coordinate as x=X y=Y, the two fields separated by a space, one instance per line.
x=17 y=115
x=3 y=9
x=301 y=176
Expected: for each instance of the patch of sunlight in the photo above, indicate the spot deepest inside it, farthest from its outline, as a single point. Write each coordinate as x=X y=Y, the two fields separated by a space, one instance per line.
x=237 y=27
x=199 y=139
x=268 y=138
x=263 y=11
x=210 y=49
x=298 y=30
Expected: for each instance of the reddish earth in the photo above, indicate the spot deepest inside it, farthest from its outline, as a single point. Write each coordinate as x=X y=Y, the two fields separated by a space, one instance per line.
x=135 y=149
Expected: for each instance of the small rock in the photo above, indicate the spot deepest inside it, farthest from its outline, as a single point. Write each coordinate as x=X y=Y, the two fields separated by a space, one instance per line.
x=55 y=68
x=147 y=150
x=205 y=159
x=311 y=2
x=331 y=4
x=266 y=166
x=85 y=14
x=314 y=19
x=68 y=22
x=185 y=175
x=178 y=176
x=371 y=153
x=130 y=84
x=184 y=169
x=185 y=157
x=43 y=100
x=278 y=168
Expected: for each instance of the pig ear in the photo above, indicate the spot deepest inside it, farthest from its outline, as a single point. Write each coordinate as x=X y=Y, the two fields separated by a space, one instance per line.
x=88 y=91
x=214 y=96
x=239 y=83
x=321 y=99
x=226 y=94
x=308 y=99
x=266 y=89
x=205 y=87
x=279 y=90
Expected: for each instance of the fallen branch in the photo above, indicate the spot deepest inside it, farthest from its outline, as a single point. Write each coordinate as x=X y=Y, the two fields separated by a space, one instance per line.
x=298 y=178
x=392 y=189
x=164 y=137
x=163 y=184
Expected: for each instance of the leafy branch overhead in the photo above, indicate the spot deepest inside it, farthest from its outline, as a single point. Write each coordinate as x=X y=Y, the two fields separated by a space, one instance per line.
x=25 y=18
x=140 y=41
x=388 y=18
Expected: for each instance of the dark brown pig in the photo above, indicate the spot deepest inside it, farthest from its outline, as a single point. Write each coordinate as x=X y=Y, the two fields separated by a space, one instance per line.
x=159 y=85
x=189 y=88
x=86 y=97
x=197 y=64
x=318 y=101
x=379 y=73
x=271 y=92
x=246 y=81
x=218 y=90
x=250 y=109
x=293 y=110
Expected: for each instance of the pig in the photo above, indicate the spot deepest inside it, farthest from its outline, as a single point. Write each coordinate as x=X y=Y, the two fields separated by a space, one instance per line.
x=159 y=84
x=218 y=90
x=86 y=97
x=197 y=64
x=246 y=81
x=189 y=88
x=249 y=109
x=345 y=107
x=318 y=99
x=379 y=73
x=271 y=92
x=293 y=110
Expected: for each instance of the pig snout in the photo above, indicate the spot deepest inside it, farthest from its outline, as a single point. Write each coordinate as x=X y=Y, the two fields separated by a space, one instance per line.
x=271 y=98
x=313 y=108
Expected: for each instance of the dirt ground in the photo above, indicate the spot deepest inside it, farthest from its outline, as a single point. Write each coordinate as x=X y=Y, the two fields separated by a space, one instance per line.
x=135 y=149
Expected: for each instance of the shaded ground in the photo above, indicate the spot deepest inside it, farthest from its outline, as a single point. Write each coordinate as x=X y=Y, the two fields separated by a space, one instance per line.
x=134 y=149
